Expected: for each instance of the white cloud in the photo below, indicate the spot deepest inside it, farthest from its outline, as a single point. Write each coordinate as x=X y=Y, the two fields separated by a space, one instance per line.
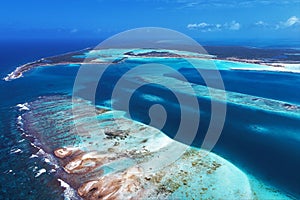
x=234 y=26
x=191 y=26
x=261 y=23
x=206 y=27
x=200 y=25
x=203 y=25
x=291 y=22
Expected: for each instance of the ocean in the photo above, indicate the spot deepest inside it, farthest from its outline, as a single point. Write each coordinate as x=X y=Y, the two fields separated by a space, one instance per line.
x=19 y=168
x=262 y=143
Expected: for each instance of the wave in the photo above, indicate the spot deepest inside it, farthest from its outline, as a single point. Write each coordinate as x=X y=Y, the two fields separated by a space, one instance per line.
x=40 y=172
x=69 y=192
x=23 y=107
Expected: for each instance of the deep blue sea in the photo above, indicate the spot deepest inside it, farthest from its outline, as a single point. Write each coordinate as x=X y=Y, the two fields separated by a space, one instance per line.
x=274 y=157
x=18 y=170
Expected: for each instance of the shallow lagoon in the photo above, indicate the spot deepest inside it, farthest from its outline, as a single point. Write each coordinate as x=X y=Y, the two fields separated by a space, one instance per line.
x=261 y=137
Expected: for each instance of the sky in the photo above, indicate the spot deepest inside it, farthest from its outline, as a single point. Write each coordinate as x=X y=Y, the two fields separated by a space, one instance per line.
x=204 y=19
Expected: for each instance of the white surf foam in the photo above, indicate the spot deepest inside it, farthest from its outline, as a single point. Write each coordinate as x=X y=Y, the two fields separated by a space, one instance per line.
x=33 y=156
x=13 y=151
x=69 y=192
x=40 y=172
x=23 y=107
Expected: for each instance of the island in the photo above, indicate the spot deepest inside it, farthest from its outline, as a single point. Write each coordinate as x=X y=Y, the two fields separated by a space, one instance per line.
x=273 y=60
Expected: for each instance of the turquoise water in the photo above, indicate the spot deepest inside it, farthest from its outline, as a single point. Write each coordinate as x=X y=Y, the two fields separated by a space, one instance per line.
x=262 y=141
x=259 y=141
